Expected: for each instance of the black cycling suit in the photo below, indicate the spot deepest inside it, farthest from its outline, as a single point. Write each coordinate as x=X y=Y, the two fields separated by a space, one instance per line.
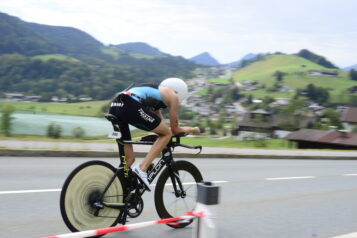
x=136 y=106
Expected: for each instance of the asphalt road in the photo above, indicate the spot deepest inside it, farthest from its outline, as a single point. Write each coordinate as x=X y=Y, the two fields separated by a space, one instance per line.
x=261 y=198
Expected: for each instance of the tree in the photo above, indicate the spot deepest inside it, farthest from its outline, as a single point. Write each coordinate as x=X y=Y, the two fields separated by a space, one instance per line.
x=6 y=119
x=294 y=107
x=279 y=76
x=54 y=130
x=316 y=58
x=353 y=75
x=317 y=94
x=333 y=116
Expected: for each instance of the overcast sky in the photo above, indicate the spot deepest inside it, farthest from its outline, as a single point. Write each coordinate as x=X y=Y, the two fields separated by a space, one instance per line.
x=227 y=29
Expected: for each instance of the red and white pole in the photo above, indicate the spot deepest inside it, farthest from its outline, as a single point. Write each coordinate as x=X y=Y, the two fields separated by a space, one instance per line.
x=108 y=230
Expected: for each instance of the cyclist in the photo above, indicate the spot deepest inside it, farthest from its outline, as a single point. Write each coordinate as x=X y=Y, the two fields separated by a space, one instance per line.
x=140 y=106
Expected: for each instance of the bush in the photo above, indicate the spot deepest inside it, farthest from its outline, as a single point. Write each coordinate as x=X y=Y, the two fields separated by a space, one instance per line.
x=54 y=131
x=78 y=132
x=6 y=119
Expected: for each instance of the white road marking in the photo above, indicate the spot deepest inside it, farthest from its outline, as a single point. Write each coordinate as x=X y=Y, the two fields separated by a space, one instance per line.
x=190 y=183
x=290 y=178
x=30 y=191
x=349 y=174
x=59 y=190
x=350 y=235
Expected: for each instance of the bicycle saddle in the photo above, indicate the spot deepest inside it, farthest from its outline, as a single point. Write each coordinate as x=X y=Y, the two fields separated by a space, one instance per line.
x=112 y=118
x=150 y=138
x=181 y=134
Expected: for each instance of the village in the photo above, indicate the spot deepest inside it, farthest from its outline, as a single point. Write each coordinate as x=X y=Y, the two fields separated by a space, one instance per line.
x=237 y=118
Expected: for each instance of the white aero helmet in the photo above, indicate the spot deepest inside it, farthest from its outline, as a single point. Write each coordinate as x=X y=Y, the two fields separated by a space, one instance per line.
x=178 y=85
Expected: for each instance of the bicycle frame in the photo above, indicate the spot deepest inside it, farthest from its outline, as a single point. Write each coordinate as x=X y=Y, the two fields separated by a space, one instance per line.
x=166 y=160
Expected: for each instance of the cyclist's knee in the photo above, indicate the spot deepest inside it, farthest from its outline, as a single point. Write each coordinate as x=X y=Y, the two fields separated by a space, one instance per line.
x=163 y=130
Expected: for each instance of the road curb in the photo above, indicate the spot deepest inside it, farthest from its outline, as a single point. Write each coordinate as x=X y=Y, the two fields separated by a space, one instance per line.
x=108 y=154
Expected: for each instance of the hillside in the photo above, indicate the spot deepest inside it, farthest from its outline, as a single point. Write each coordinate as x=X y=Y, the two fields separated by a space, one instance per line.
x=296 y=70
x=35 y=39
x=69 y=40
x=318 y=59
x=66 y=62
x=30 y=39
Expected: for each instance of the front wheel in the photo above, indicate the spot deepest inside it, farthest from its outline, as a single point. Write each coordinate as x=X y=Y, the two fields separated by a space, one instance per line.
x=81 y=195
x=170 y=203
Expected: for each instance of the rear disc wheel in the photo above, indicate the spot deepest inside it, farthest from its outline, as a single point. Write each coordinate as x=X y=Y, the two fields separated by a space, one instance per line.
x=81 y=193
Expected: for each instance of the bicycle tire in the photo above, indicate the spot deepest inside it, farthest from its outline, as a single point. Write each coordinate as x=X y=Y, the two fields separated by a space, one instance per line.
x=82 y=188
x=166 y=203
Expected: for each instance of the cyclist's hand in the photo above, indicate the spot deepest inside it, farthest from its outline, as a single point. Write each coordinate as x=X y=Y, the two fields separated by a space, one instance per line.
x=191 y=130
x=195 y=130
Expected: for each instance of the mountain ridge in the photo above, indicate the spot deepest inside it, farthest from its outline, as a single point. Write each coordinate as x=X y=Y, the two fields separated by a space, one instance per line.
x=139 y=48
x=204 y=58
x=354 y=67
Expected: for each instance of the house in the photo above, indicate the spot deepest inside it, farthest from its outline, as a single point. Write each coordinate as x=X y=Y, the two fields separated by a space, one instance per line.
x=316 y=108
x=280 y=102
x=319 y=139
x=265 y=124
x=21 y=97
x=323 y=73
x=14 y=96
x=33 y=98
x=349 y=118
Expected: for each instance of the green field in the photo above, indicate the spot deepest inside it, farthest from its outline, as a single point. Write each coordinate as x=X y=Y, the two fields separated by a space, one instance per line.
x=114 y=53
x=219 y=80
x=296 y=69
x=232 y=143
x=80 y=109
x=204 y=142
x=55 y=57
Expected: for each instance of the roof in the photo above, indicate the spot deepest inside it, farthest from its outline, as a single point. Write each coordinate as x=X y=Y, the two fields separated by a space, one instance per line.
x=332 y=137
x=260 y=111
x=350 y=115
x=272 y=121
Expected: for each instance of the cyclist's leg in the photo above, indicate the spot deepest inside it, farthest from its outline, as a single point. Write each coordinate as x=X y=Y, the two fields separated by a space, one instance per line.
x=119 y=108
x=128 y=148
x=165 y=134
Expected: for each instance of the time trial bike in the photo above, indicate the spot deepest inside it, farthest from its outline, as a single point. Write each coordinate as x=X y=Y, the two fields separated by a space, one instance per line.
x=97 y=195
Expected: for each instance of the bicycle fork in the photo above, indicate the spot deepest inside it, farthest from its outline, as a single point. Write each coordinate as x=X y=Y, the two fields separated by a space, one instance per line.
x=175 y=179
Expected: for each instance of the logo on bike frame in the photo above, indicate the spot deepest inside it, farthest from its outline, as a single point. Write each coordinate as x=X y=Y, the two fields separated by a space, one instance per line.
x=157 y=169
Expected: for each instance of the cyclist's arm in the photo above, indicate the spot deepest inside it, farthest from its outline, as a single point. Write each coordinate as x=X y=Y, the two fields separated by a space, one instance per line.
x=173 y=104
x=174 y=119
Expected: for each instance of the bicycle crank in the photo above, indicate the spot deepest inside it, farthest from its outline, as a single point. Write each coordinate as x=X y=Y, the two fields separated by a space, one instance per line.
x=135 y=208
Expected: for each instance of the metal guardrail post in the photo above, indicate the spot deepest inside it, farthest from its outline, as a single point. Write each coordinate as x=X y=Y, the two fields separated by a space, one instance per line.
x=207 y=201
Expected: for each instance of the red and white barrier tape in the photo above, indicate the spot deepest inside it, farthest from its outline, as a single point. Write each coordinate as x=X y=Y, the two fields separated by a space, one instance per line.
x=104 y=231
